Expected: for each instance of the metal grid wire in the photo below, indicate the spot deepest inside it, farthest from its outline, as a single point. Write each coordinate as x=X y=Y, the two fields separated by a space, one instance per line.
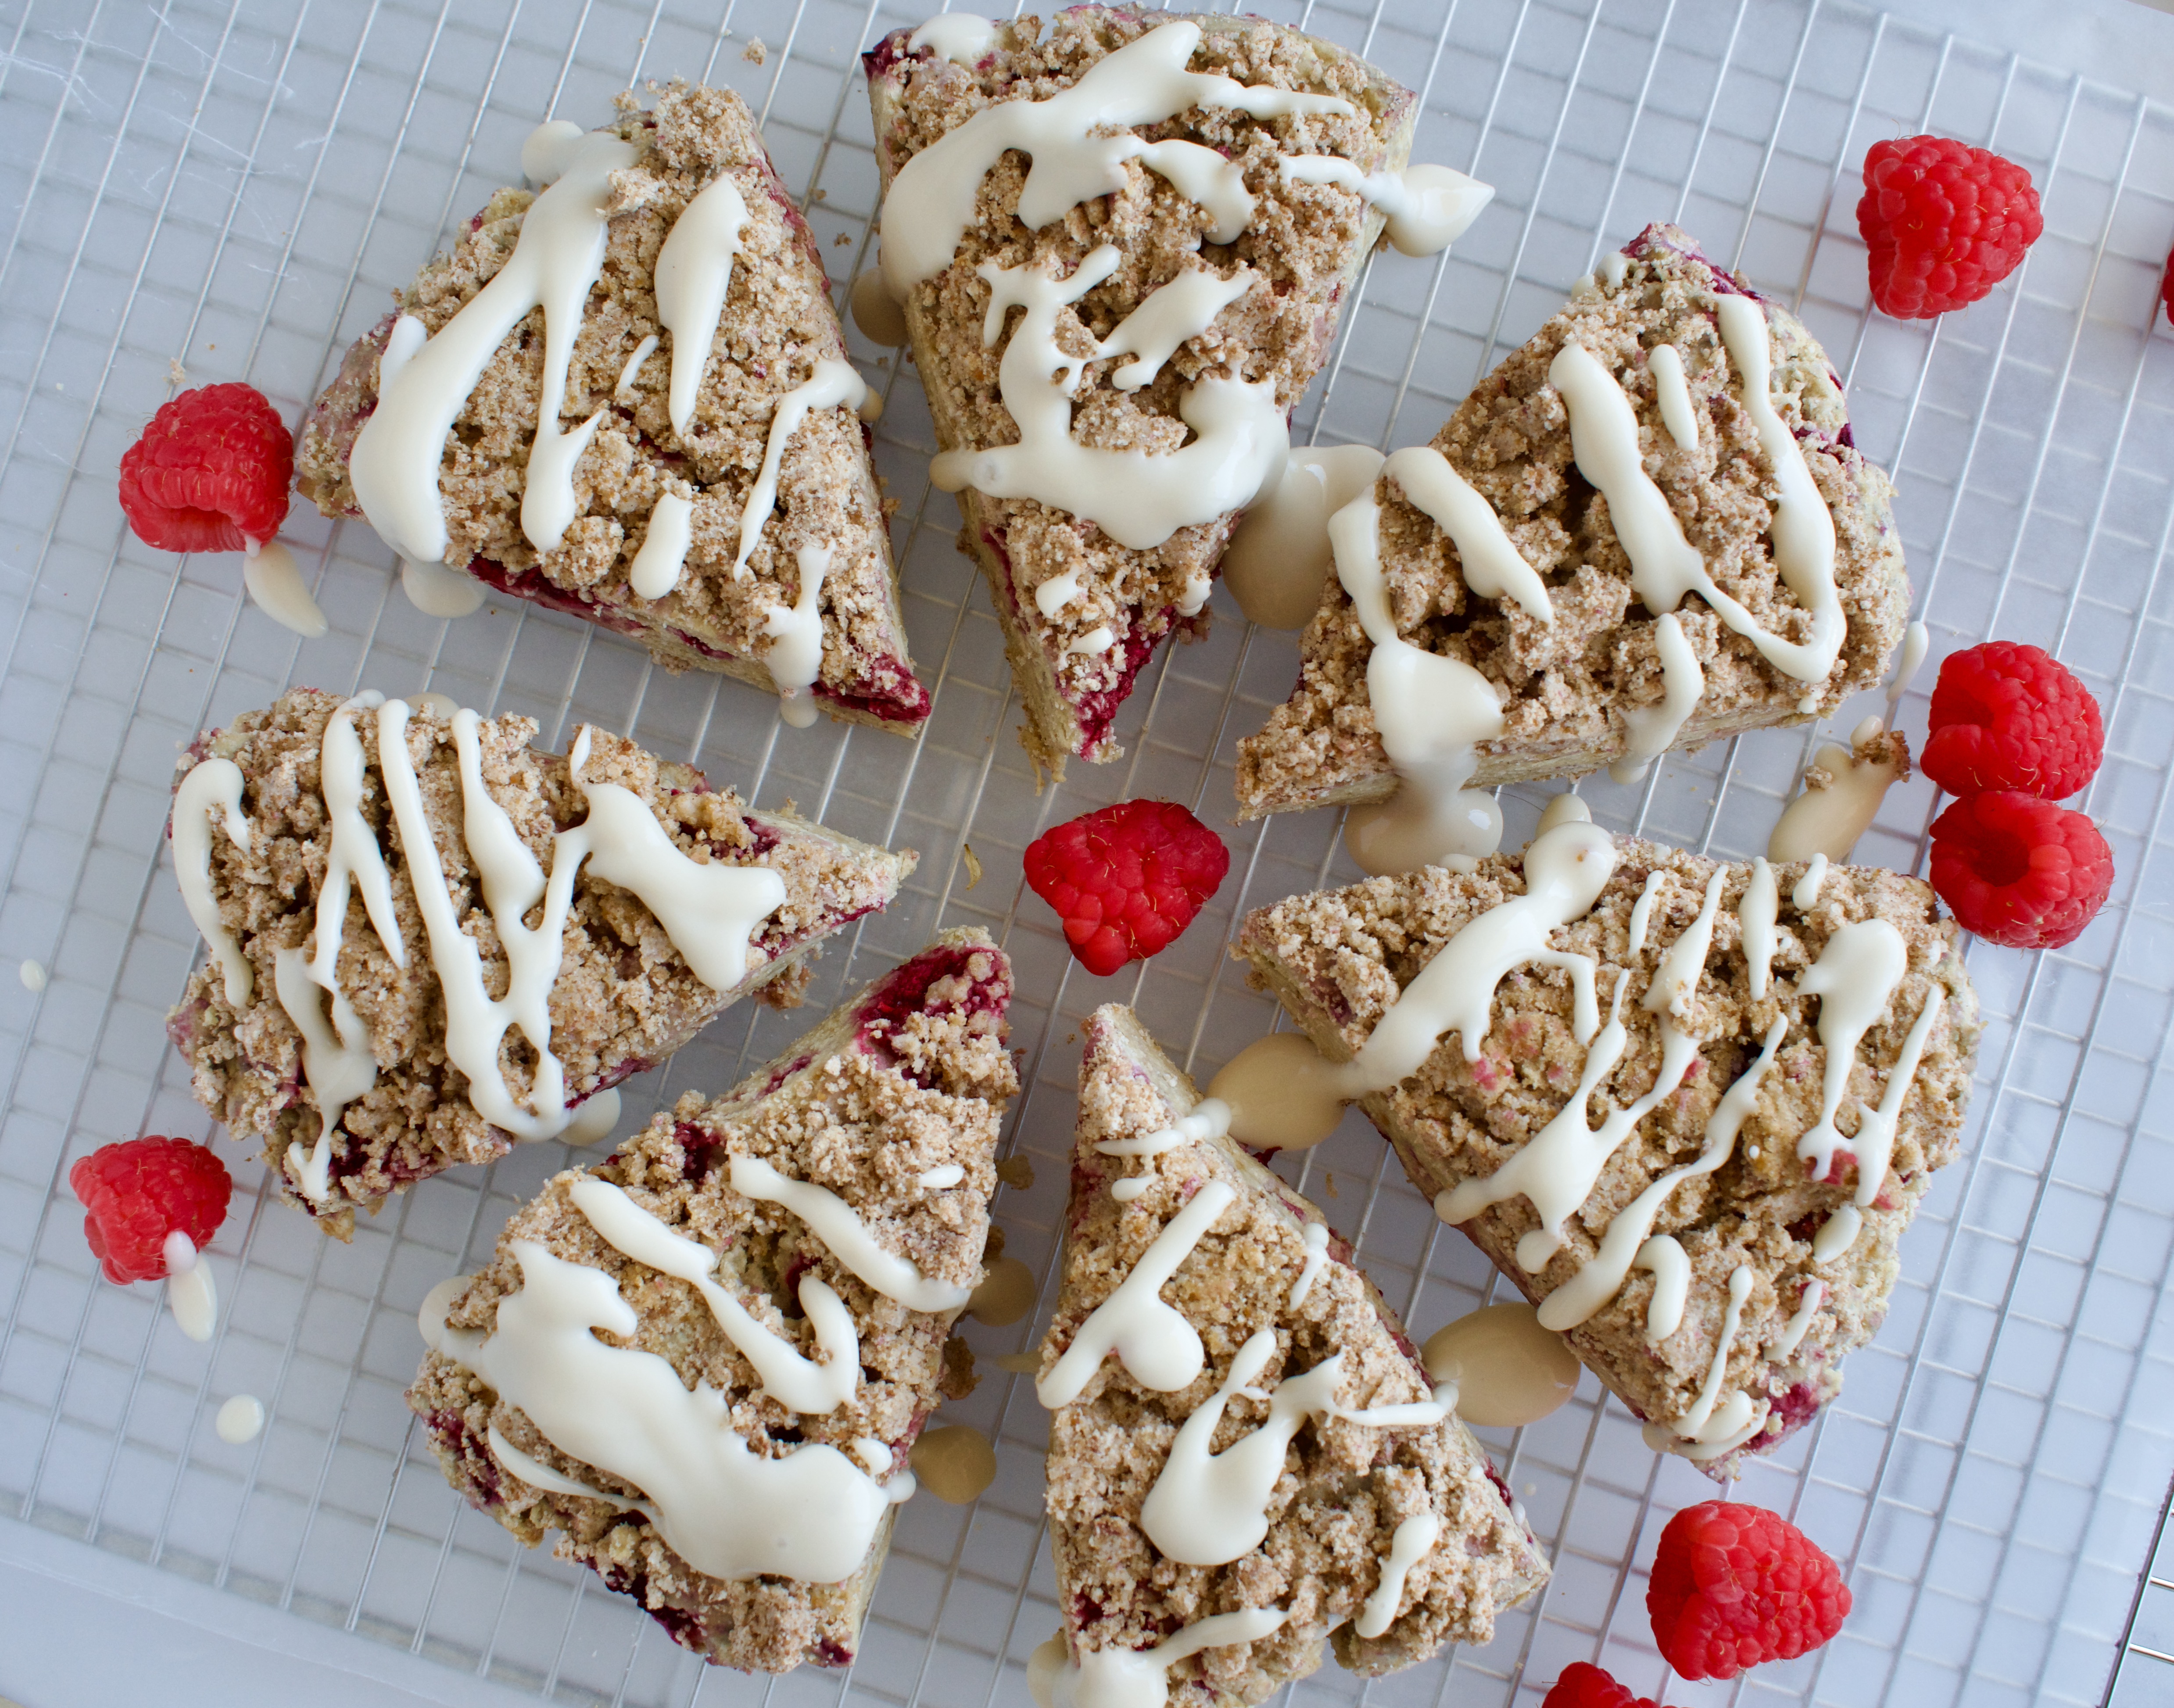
x=237 y=186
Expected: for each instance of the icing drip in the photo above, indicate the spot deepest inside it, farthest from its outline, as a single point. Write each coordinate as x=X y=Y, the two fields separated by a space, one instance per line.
x=1675 y=985
x=276 y=587
x=1316 y=1254
x=795 y=658
x=798 y=1384
x=1651 y=731
x=1837 y=1234
x=1431 y=712
x=656 y=567
x=1754 y=918
x=839 y=1226
x=192 y=1294
x=1853 y=978
x=1614 y=267
x=1641 y=912
x=423 y=382
x=1806 y=895
x=1414 y=1539
x=1184 y=308
x=941 y=1178
x=1427 y=208
x=1095 y=642
x=627 y=375
x=1490 y=563
x=1874 y=1144
x=438 y=592
x=1078 y=140
x=1053 y=595
x=1564 y=872
x=811 y=1513
x=1211 y=1119
x=1279 y=557
x=693 y=273
x=1507 y=1370
x=337 y=1063
x=876 y=311
x=1283 y=1094
x=594 y=1118
x=1710 y=1423
x=1139 y=499
x=1664 y=1259
x=212 y=785
x=1677 y=415
x=1565 y=808
x=1136 y=1677
x=958 y=36
x=239 y=1419
x=1829 y=820
x=1155 y=1344
x=1916 y=641
x=1625 y=1245
x=832 y=384
x=1799 y=1323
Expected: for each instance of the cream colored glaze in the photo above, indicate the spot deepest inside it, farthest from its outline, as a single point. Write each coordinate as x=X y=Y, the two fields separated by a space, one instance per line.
x=834 y=385
x=1183 y=309
x=1153 y=1341
x=795 y=657
x=1136 y=1678
x=1916 y=641
x=1665 y=1260
x=1709 y=1421
x=1565 y=808
x=1837 y=1234
x=876 y=311
x=632 y=370
x=955 y=1463
x=1316 y=1254
x=276 y=587
x=1641 y=911
x=595 y=1119
x=1754 y=918
x=1675 y=986
x=694 y=275
x=1853 y=978
x=1509 y=1370
x=1799 y=1323
x=438 y=592
x=1651 y=731
x=1210 y=1118
x=656 y=567
x=1095 y=642
x=1413 y=1540
x=212 y=786
x=1674 y=395
x=1828 y=821
x=1005 y=1295
x=958 y=36
x=239 y=1419
x=1283 y=1094
x=1053 y=595
x=1427 y=208
x=1278 y=558
x=1490 y=563
x=33 y=976
x=941 y=1178
x=1874 y=1144
x=839 y=1226
x=192 y=1294
x=1805 y=895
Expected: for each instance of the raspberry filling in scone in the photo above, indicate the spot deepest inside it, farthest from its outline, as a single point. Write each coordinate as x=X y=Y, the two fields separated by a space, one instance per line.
x=778 y=1270
x=1247 y=1459
x=1688 y=1107
x=647 y=415
x=1646 y=529
x=1178 y=206
x=429 y=941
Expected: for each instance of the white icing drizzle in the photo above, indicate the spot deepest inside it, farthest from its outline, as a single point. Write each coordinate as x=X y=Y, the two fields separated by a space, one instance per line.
x=276 y=587
x=1564 y=872
x=832 y=384
x=1279 y=557
x=1829 y=820
x=811 y=1513
x=192 y=1294
x=1211 y=1119
x=1613 y=265
x=1126 y=1190
x=1641 y=911
x=1709 y=1421
x=1916 y=641
x=795 y=657
x=1806 y=895
x=1853 y=978
x=438 y=592
x=797 y=1383
x=958 y=36
x=211 y=785
x=1155 y=1341
x=642 y=351
x=656 y=567
x=1078 y=139
x=1138 y=499
x=1677 y=415
x=1184 y=308
x=1316 y=1254
x=1427 y=208
x=1095 y=642
x=1675 y=984
x=1491 y=565
x=1565 y=808
x=1662 y=1257
x=1625 y=1245
x=1754 y=919
x=239 y=1419
x=423 y=384
x=1136 y=1677
x=1413 y=1540
x=33 y=976
x=1651 y=731
x=1837 y=1234
x=942 y=1178
x=1874 y=1144
x=1431 y=711
x=1282 y=1092
x=839 y=1226
x=594 y=1118
x=1053 y=595
x=693 y=274
x=1799 y=1323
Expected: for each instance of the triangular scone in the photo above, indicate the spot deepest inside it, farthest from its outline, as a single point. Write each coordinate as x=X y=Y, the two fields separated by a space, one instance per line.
x=1573 y=688
x=1387 y=1539
x=681 y=900
x=1699 y=1123
x=779 y=1268
x=1081 y=610
x=642 y=530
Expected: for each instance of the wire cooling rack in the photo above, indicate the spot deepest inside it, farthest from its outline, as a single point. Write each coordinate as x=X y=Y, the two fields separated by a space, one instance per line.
x=235 y=188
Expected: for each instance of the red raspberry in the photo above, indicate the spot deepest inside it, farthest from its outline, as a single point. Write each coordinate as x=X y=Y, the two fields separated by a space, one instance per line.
x=139 y=1191
x=1734 y=1586
x=1127 y=879
x=210 y=473
x=1585 y=1686
x=2008 y=716
x=1945 y=223
x=2167 y=287
x=2021 y=870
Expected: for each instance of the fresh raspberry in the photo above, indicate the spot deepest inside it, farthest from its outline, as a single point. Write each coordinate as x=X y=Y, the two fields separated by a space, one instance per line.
x=1127 y=879
x=1945 y=223
x=2008 y=716
x=2021 y=870
x=2167 y=287
x=210 y=473
x=1586 y=1686
x=1734 y=1586
x=139 y=1191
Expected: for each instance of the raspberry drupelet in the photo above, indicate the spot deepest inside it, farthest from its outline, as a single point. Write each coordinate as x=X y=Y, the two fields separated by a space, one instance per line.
x=1127 y=879
x=1583 y=1685
x=1945 y=223
x=2009 y=715
x=210 y=474
x=2020 y=871
x=138 y=1193
x=1735 y=1586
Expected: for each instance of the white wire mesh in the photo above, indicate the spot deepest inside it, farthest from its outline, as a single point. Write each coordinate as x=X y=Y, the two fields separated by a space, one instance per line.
x=237 y=186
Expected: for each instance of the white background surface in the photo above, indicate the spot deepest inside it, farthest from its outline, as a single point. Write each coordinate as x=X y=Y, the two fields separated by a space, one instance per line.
x=238 y=185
